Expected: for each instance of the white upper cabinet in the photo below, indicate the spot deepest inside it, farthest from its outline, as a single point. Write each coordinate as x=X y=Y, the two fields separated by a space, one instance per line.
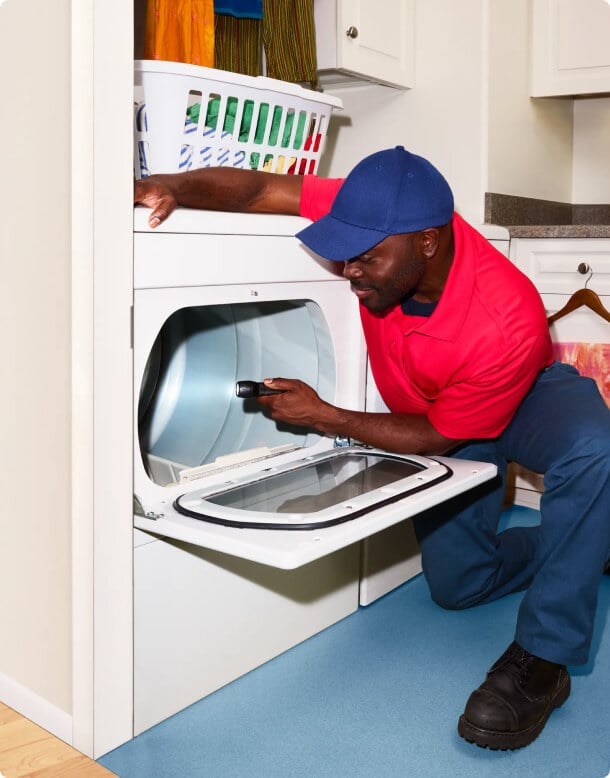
x=363 y=40
x=570 y=47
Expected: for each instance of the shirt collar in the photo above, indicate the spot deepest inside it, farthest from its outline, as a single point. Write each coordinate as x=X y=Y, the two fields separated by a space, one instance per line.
x=448 y=318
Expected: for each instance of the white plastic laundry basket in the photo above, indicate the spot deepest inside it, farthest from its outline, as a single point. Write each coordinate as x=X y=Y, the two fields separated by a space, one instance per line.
x=188 y=117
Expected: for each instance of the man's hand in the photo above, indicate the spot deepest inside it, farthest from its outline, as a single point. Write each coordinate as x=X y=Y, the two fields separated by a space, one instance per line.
x=219 y=189
x=155 y=192
x=299 y=404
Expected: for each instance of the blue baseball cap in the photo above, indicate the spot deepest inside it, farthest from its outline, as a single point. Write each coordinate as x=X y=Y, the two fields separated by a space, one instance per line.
x=388 y=193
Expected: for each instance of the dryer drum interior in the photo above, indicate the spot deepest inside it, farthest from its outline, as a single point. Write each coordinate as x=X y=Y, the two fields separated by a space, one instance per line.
x=188 y=413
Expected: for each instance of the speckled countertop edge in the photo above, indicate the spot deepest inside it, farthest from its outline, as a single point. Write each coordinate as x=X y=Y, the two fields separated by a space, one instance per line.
x=526 y=217
x=558 y=230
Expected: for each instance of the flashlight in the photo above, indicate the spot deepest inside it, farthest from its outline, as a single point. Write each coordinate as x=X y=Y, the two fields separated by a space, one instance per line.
x=247 y=389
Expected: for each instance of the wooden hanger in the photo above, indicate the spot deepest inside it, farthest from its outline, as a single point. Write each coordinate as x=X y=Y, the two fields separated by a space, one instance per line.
x=586 y=297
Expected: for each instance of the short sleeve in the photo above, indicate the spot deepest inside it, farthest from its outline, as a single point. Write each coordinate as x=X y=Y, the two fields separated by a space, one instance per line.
x=317 y=195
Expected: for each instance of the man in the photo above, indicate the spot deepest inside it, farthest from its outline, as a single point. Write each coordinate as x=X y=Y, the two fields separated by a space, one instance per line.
x=460 y=349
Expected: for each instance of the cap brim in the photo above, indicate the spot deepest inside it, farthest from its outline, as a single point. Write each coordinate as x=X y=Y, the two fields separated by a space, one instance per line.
x=336 y=240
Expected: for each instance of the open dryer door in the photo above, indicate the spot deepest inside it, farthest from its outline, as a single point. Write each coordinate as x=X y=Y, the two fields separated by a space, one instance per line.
x=302 y=511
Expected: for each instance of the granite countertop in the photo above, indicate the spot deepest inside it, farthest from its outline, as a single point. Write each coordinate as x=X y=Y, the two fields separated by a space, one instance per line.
x=559 y=230
x=526 y=217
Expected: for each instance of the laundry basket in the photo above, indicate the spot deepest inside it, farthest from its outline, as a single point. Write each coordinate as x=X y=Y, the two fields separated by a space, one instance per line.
x=188 y=117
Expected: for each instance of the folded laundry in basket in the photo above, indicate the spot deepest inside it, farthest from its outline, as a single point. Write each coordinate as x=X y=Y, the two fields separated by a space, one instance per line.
x=210 y=155
x=221 y=150
x=260 y=136
x=311 y=142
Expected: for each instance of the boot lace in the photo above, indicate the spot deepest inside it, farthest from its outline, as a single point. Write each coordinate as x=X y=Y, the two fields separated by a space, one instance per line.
x=517 y=661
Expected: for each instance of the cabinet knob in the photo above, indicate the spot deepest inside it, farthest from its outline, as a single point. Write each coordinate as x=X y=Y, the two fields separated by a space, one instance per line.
x=584 y=268
x=352 y=32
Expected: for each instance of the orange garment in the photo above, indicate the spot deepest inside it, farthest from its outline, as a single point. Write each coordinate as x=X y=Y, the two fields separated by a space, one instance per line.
x=180 y=31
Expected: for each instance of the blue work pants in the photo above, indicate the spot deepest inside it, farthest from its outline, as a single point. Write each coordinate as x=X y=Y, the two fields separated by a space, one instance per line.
x=561 y=429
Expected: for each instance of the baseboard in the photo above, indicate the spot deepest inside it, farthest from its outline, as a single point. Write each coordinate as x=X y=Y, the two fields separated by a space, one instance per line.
x=36 y=708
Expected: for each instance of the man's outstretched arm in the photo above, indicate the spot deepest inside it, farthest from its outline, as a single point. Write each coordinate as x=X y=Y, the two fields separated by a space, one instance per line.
x=402 y=433
x=219 y=189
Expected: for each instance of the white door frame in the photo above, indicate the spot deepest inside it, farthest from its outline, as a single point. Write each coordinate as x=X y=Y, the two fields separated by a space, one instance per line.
x=102 y=257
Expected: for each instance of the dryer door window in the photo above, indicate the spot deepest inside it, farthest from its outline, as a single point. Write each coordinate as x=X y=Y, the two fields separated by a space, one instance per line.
x=319 y=491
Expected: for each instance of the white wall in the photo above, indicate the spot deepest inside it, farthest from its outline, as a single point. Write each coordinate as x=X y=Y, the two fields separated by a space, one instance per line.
x=469 y=111
x=441 y=118
x=530 y=141
x=35 y=566
x=591 y=151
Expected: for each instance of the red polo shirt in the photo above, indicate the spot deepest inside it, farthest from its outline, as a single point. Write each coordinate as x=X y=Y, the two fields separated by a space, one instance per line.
x=470 y=364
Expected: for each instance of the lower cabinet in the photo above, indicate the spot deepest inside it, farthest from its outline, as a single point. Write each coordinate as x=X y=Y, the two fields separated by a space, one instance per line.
x=559 y=267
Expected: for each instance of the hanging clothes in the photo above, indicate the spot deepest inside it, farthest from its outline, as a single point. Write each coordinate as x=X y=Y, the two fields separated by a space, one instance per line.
x=238 y=45
x=289 y=39
x=243 y=9
x=180 y=31
x=238 y=36
x=286 y=31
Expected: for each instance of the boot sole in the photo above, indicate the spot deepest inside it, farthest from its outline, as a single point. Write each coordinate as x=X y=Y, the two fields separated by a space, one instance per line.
x=509 y=741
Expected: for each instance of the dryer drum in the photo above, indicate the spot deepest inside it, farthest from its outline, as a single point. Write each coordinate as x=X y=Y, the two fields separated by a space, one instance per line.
x=188 y=411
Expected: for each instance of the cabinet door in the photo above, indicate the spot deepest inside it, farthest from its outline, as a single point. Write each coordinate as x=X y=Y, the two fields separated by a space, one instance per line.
x=570 y=47
x=366 y=40
x=558 y=268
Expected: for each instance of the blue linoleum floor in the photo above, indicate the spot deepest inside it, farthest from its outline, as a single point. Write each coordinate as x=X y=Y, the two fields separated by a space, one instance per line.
x=378 y=696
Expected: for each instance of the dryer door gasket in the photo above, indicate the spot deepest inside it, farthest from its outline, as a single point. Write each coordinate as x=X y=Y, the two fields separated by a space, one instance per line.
x=315 y=492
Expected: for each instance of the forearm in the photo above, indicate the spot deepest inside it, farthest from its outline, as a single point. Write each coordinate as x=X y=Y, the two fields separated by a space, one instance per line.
x=229 y=189
x=399 y=433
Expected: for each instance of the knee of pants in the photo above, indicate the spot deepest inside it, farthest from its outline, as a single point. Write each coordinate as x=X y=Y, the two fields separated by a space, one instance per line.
x=454 y=592
x=449 y=602
x=592 y=452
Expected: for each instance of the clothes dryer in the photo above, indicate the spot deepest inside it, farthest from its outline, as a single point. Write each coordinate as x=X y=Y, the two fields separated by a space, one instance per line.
x=248 y=532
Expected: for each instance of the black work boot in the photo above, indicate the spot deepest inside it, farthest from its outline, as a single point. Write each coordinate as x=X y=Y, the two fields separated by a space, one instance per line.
x=511 y=707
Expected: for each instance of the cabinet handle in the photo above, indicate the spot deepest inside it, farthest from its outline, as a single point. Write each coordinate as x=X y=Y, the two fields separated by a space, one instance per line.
x=352 y=32
x=584 y=268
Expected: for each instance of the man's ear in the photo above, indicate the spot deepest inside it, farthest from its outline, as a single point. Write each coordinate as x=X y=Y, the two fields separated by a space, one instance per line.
x=428 y=241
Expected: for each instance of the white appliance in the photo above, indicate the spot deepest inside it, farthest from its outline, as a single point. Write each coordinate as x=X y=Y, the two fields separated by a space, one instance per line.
x=248 y=532
x=497 y=235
